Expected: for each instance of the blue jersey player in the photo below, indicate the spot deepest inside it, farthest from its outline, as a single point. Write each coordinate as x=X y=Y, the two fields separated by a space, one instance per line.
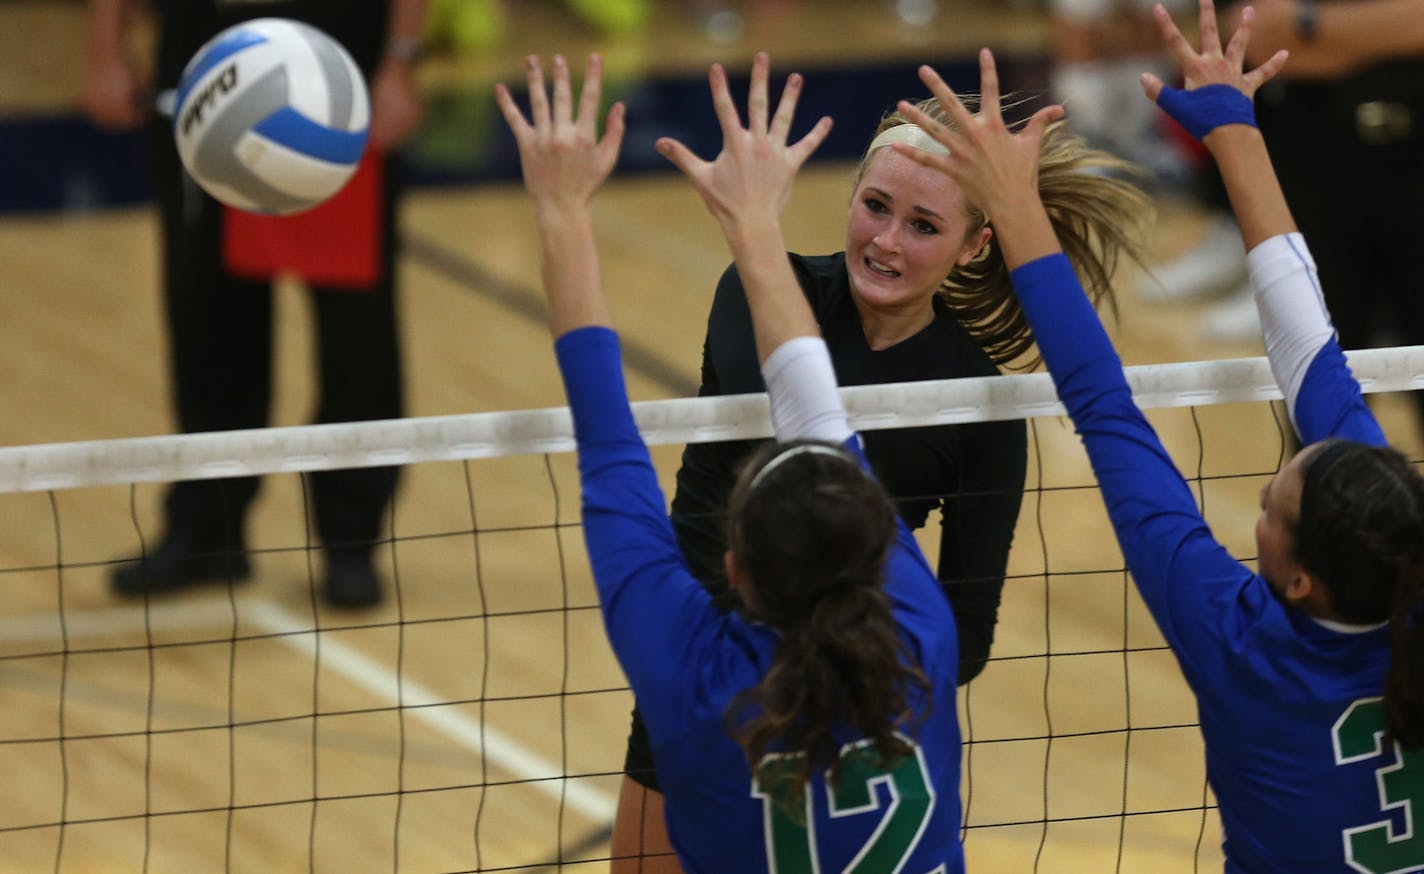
x=817 y=732
x=1307 y=673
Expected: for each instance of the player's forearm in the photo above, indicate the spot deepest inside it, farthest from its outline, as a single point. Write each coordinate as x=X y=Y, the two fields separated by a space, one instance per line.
x=778 y=307
x=405 y=25
x=1332 y=38
x=568 y=261
x=1022 y=230
x=975 y=643
x=1368 y=30
x=1251 y=183
x=108 y=26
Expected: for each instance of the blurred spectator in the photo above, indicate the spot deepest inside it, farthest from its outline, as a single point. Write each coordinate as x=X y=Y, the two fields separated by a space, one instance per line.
x=220 y=323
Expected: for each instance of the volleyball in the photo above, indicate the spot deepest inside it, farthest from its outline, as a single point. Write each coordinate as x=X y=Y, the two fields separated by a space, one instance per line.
x=271 y=116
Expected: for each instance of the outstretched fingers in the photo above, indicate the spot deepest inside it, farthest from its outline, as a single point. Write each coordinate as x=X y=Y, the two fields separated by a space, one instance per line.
x=513 y=116
x=1211 y=65
x=1151 y=86
x=538 y=99
x=1206 y=24
x=751 y=177
x=785 y=110
x=1236 y=55
x=943 y=135
x=722 y=103
x=681 y=157
x=561 y=156
x=591 y=94
x=989 y=108
x=1267 y=71
x=1236 y=48
x=1177 y=44
x=1038 y=123
x=612 y=141
x=807 y=145
x=758 y=100
x=526 y=129
x=948 y=101
x=563 y=92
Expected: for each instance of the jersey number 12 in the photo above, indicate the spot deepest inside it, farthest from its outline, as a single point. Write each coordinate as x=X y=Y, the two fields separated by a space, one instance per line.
x=791 y=845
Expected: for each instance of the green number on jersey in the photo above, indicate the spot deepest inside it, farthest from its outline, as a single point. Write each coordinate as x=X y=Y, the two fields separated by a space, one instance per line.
x=791 y=845
x=1375 y=848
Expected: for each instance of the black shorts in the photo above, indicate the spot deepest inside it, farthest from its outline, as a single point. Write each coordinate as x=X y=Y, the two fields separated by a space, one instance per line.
x=638 y=763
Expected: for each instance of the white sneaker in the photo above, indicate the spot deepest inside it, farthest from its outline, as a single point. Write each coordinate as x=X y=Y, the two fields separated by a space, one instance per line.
x=1214 y=264
x=1233 y=320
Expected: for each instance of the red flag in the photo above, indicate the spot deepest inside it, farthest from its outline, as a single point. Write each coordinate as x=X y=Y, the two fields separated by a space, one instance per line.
x=337 y=244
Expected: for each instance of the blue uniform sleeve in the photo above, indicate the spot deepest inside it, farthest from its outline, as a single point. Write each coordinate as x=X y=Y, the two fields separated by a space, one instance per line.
x=655 y=612
x=1321 y=393
x=1192 y=585
x=1330 y=403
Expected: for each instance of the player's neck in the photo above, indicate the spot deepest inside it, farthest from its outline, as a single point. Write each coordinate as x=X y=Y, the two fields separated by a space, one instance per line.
x=886 y=326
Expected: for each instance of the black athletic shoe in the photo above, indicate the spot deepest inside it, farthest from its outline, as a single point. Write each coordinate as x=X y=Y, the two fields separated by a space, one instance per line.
x=179 y=561
x=351 y=579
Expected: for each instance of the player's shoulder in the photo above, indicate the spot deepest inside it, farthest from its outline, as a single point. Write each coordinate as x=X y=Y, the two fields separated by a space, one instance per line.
x=722 y=657
x=828 y=267
x=812 y=271
x=823 y=277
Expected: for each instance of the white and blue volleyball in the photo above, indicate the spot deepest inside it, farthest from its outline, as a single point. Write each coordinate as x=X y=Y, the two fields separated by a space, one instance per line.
x=271 y=116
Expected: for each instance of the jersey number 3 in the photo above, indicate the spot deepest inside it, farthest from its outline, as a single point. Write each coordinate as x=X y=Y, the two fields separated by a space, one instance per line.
x=791 y=845
x=1375 y=848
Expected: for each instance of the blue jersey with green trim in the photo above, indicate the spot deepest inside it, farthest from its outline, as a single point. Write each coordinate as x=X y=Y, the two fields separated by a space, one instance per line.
x=686 y=660
x=1289 y=707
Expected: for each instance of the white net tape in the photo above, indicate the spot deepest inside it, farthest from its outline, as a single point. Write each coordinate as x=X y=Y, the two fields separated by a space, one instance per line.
x=688 y=420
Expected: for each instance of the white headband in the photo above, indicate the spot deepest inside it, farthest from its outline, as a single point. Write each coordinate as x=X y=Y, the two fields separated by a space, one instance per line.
x=818 y=448
x=909 y=134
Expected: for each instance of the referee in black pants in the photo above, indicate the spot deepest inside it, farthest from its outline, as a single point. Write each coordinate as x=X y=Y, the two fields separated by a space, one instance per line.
x=220 y=326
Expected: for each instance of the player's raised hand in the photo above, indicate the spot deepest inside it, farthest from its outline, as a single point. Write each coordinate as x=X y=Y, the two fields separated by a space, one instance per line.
x=1211 y=65
x=562 y=157
x=997 y=167
x=752 y=176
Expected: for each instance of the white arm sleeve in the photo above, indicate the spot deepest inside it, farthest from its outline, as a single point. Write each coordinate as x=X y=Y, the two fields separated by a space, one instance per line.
x=1294 y=321
x=805 y=401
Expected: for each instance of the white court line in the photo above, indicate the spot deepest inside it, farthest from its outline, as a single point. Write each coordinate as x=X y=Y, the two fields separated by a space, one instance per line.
x=501 y=750
x=109 y=621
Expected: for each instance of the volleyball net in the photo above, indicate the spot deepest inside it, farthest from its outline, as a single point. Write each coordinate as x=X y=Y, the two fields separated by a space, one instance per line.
x=476 y=721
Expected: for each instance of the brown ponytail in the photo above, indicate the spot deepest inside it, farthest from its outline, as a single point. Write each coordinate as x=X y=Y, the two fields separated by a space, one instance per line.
x=1404 y=684
x=813 y=535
